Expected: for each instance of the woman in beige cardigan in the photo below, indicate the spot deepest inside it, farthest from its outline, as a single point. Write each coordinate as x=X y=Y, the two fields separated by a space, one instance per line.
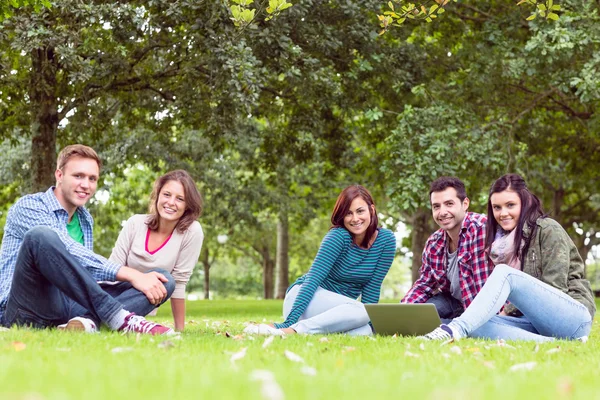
x=169 y=237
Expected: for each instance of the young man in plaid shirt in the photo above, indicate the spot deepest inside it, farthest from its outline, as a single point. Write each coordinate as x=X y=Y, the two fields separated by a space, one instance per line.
x=454 y=263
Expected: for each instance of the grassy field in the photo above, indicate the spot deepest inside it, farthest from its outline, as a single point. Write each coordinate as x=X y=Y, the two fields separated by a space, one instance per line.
x=207 y=364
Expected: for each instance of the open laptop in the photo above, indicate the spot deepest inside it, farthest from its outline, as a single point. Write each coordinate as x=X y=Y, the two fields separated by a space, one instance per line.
x=403 y=319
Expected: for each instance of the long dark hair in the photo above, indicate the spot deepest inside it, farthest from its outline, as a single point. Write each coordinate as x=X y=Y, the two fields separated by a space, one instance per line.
x=342 y=205
x=193 y=200
x=531 y=210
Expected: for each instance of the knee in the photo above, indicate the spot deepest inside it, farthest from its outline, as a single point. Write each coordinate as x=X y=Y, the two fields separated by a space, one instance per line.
x=39 y=234
x=169 y=284
x=502 y=270
x=362 y=318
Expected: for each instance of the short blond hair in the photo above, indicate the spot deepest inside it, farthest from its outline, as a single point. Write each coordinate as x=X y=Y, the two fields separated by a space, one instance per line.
x=76 y=150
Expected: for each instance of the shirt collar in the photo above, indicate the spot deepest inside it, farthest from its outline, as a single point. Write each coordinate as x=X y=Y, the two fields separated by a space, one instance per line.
x=51 y=200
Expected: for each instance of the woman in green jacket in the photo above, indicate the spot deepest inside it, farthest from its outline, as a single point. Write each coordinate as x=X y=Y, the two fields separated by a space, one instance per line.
x=538 y=270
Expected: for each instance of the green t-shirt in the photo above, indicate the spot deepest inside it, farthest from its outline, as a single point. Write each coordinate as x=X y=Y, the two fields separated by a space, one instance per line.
x=74 y=228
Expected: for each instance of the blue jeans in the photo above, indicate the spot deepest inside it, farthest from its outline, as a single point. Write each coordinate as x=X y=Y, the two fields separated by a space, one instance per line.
x=50 y=287
x=329 y=312
x=548 y=313
x=447 y=306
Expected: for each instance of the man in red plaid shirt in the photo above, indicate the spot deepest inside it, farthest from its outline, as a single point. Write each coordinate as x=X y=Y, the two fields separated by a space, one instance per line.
x=454 y=263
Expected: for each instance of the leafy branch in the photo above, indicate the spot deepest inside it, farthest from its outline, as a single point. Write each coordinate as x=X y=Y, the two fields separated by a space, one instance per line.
x=399 y=11
x=545 y=9
x=243 y=15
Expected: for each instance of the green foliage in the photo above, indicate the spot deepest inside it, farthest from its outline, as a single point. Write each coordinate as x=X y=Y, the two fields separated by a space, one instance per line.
x=8 y=7
x=399 y=11
x=243 y=16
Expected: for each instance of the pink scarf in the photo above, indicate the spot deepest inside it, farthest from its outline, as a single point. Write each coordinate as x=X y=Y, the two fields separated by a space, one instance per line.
x=503 y=251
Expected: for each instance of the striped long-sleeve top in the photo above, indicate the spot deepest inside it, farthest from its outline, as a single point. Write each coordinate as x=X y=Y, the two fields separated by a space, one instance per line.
x=345 y=268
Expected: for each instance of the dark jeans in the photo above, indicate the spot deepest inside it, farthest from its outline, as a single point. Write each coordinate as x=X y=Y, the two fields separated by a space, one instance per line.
x=447 y=306
x=50 y=287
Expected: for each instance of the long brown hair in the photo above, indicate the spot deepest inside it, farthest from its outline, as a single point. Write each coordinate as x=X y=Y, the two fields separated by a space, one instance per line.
x=193 y=200
x=342 y=205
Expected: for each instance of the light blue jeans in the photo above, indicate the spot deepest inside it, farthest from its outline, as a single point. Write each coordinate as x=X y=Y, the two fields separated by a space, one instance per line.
x=329 y=312
x=548 y=313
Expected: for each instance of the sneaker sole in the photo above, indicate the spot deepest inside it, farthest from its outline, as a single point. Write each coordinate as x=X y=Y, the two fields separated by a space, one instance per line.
x=73 y=326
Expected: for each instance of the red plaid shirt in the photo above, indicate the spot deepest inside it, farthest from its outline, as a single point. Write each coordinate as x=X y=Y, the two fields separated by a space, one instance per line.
x=473 y=263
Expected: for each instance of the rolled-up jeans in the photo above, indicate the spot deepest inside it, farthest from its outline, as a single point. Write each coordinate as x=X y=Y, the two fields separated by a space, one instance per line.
x=548 y=313
x=50 y=287
x=329 y=312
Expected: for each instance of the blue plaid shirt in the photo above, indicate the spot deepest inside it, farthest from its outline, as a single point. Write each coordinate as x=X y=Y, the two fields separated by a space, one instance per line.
x=43 y=209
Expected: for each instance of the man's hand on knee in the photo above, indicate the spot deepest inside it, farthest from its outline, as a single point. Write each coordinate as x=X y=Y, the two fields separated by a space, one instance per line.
x=151 y=284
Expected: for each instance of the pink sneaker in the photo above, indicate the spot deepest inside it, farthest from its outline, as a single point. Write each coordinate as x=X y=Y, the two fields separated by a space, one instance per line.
x=137 y=323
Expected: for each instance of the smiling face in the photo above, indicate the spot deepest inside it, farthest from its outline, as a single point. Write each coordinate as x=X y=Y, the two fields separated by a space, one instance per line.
x=358 y=219
x=170 y=203
x=448 y=210
x=507 y=209
x=76 y=182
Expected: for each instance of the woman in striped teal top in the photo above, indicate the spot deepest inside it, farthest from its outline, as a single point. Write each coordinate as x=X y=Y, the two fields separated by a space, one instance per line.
x=352 y=261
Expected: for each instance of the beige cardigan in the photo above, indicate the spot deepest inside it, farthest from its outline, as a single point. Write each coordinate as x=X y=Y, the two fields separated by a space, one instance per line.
x=178 y=255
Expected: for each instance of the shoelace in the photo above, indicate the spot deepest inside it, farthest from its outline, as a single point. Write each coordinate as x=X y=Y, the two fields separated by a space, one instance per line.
x=137 y=323
x=438 y=333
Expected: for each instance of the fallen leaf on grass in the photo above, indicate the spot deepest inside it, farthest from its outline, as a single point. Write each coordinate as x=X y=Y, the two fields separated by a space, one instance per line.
x=121 y=349
x=489 y=364
x=409 y=354
x=167 y=344
x=323 y=340
x=310 y=371
x=19 y=346
x=528 y=366
x=270 y=389
x=395 y=336
x=239 y=355
x=565 y=387
x=554 y=350
x=502 y=343
x=422 y=346
x=293 y=357
x=455 y=350
x=473 y=350
x=348 y=349
x=268 y=342
x=234 y=337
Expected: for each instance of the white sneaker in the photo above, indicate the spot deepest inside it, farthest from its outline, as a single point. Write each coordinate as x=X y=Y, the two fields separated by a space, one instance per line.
x=263 y=329
x=79 y=324
x=443 y=332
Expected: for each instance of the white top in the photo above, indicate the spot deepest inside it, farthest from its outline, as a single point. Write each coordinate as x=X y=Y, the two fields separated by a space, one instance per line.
x=178 y=255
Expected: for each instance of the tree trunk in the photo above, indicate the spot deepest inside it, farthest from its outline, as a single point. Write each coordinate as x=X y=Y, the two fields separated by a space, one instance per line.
x=421 y=230
x=42 y=92
x=283 y=260
x=268 y=273
x=204 y=259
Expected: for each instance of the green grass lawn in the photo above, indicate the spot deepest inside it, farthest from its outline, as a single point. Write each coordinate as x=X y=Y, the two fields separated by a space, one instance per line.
x=62 y=365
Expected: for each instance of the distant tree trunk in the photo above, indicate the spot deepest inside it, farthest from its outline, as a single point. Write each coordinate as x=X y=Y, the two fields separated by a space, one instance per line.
x=283 y=260
x=44 y=103
x=204 y=259
x=421 y=229
x=268 y=274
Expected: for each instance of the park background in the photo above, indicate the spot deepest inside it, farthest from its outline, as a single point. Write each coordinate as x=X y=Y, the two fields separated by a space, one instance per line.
x=274 y=116
x=273 y=111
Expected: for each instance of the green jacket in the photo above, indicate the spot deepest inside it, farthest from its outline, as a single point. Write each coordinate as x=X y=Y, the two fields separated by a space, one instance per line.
x=553 y=258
